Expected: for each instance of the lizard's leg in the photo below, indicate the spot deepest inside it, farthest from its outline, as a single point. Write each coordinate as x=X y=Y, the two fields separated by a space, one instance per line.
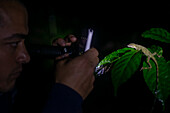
x=150 y=66
x=155 y=53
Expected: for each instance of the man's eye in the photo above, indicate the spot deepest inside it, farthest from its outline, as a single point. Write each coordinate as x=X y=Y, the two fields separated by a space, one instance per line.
x=14 y=44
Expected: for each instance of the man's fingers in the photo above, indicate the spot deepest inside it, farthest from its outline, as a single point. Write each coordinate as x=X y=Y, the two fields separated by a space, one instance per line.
x=70 y=38
x=62 y=56
x=64 y=42
x=59 y=41
x=92 y=55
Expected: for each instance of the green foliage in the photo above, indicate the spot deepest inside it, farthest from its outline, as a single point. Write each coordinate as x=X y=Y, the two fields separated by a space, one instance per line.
x=164 y=79
x=126 y=62
x=168 y=63
x=125 y=67
x=114 y=56
x=156 y=49
x=159 y=34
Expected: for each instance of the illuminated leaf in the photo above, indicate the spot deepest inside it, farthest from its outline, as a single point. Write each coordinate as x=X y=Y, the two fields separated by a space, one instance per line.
x=125 y=67
x=112 y=57
x=164 y=78
x=159 y=34
x=168 y=63
x=109 y=59
x=156 y=49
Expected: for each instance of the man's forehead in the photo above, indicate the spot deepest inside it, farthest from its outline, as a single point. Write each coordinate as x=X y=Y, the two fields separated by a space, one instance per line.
x=13 y=19
x=3 y=18
x=11 y=7
x=9 y=3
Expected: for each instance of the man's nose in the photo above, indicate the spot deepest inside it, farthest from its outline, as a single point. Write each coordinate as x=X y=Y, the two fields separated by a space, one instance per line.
x=22 y=54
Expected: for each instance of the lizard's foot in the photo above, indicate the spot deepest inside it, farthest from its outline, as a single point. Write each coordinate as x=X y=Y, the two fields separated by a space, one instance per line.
x=141 y=69
x=145 y=68
x=159 y=56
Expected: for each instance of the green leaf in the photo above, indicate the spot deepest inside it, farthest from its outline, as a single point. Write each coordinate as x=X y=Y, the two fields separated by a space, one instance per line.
x=125 y=67
x=114 y=56
x=156 y=49
x=159 y=34
x=164 y=78
x=109 y=59
x=168 y=63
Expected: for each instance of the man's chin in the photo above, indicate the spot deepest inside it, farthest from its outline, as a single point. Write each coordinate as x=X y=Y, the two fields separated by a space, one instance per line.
x=8 y=87
x=12 y=84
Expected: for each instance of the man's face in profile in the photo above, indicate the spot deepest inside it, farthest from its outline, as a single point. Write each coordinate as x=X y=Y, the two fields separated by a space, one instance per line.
x=13 y=24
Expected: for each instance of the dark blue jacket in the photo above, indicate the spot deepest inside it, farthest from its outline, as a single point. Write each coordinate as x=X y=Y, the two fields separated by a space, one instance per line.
x=62 y=99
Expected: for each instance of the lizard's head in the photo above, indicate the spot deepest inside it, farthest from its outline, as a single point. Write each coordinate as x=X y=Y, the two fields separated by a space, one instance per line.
x=132 y=45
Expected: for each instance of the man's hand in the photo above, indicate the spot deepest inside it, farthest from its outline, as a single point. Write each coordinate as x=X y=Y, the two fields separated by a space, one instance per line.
x=67 y=41
x=78 y=73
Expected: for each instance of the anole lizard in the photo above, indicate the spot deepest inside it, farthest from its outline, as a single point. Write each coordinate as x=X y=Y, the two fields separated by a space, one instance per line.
x=150 y=56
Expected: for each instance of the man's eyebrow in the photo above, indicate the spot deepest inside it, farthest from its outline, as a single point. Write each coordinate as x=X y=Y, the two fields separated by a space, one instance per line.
x=21 y=36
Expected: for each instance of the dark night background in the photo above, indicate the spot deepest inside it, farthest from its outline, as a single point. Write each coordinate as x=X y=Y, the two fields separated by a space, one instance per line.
x=115 y=25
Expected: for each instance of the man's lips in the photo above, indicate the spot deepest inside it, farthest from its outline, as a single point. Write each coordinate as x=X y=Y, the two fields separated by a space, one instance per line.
x=15 y=74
